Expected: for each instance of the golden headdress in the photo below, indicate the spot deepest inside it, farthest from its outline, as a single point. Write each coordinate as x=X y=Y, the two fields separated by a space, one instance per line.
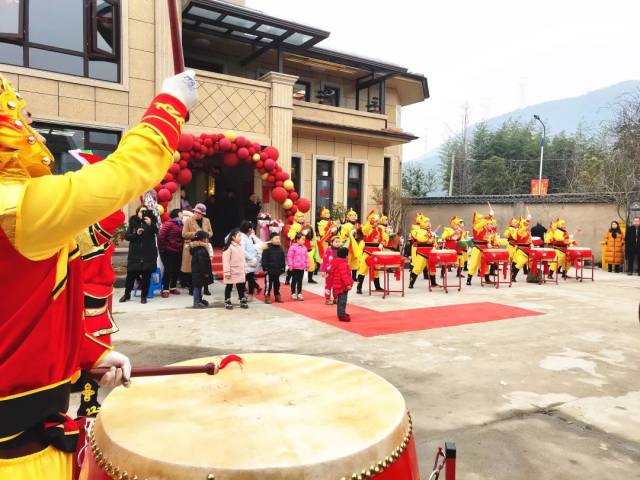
x=325 y=213
x=22 y=152
x=299 y=216
x=352 y=215
x=455 y=221
x=373 y=216
x=422 y=220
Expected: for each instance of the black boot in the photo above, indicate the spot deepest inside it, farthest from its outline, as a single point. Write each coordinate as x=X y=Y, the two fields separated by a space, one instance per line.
x=376 y=283
x=469 y=277
x=432 y=279
x=310 y=278
x=487 y=279
x=514 y=272
x=125 y=298
x=459 y=274
x=609 y=268
x=360 y=282
x=616 y=268
x=143 y=299
x=206 y=290
x=412 y=279
x=425 y=274
x=354 y=275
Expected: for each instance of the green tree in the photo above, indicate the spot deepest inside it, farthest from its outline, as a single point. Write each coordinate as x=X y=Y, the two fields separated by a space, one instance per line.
x=418 y=182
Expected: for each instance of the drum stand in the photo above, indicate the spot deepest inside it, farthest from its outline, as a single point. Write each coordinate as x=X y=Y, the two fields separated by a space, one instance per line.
x=499 y=267
x=386 y=272
x=578 y=261
x=444 y=268
x=540 y=263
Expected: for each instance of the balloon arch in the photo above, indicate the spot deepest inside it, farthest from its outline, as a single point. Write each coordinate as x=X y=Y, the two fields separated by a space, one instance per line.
x=234 y=148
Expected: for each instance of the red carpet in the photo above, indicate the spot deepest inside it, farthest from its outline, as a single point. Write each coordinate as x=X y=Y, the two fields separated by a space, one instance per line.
x=371 y=323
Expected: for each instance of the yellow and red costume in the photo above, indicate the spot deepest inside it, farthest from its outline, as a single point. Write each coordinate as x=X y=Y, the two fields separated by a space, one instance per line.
x=423 y=240
x=521 y=240
x=348 y=233
x=300 y=225
x=558 y=237
x=372 y=240
x=43 y=340
x=484 y=236
x=510 y=234
x=453 y=234
x=325 y=229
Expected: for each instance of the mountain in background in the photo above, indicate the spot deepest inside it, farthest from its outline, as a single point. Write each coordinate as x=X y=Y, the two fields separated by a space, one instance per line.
x=590 y=110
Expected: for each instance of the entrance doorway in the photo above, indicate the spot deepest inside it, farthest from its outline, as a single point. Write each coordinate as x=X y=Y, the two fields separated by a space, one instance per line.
x=224 y=190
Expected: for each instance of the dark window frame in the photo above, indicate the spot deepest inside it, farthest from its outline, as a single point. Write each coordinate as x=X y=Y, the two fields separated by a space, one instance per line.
x=332 y=182
x=360 y=186
x=296 y=172
x=90 y=50
x=386 y=182
x=307 y=95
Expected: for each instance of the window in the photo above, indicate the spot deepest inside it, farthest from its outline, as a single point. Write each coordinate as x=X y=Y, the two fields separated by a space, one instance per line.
x=302 y=91
x=324 y=184
x=329 y=96
x=62 y=138
x=354 y=187
x=386 y=180
x=296 y=173
x=76 y=37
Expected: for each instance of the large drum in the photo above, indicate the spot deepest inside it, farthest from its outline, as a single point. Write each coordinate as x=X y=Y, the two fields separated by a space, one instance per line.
x=542 y=254
x=437 y=257
x=490 y=255
x=579 y=252
x=281 y=416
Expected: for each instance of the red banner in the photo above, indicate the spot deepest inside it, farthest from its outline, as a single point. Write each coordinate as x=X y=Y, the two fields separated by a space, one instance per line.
x=544 y=186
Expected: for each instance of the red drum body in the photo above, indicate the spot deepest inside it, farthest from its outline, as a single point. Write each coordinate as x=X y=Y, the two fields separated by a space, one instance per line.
x=542 y=254
x=579 y=252
x=490 y=255
x=387 y=258
x=436 y=257
x=279 y=417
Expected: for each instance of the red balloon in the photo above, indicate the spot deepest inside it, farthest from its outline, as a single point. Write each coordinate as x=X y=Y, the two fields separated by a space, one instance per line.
x=260 y=165
x=184 y=176
x=231 y=159
x=269 y=164
x=263 y=156
x=271 y=179
x=168 y=178
x=294 y=196
x=234 y=147
x=225 y=144
x=278 y=183
x=272 y=152
x=183 y=164
x=203 y=149
x=261 y=170
x=303 y=205
x=256 y=146
x=164 y=195
x=285 y=176
x=241 y=141
x=165 y=217
x=174 y=169
x=185 y=142
x=185 y=156
x=243 y=153
x=196 y=144
x=294 y=209
x=290 y=219
x=171 y=186
x=208 y=142
x=203 y=136
x=279 y=194
x=252 y=151
x=287 y=213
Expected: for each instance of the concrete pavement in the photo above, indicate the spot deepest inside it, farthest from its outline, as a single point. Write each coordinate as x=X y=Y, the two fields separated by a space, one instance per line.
x=555 y=396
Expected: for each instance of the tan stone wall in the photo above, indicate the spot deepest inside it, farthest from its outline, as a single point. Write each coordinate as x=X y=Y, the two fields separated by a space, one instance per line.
x=592 y=218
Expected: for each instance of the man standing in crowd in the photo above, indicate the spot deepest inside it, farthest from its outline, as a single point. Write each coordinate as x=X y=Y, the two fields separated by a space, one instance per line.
x=632 y=246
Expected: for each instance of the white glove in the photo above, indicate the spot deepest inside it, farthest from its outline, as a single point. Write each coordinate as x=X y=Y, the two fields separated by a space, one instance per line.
x=183 y=87
x=119 y=372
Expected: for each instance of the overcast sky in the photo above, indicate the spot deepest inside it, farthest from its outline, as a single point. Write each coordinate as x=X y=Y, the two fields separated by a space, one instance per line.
x=494 y=55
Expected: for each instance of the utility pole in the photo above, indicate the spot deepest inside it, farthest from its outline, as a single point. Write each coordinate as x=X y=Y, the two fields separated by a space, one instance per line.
x=544 y=134
x=453 y=158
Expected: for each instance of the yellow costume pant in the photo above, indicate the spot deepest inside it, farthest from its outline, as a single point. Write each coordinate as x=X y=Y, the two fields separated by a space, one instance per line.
x=561 y=258
x=312 y=262
x=512 y=251
x=462 y=258
x=50 y=464
x=363 y=268
x=420 y=264
x=520 y=258
x=474 y=261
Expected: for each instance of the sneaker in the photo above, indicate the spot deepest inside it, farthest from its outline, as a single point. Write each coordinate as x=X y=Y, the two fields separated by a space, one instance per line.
x=294 y=296
x=174 y=291
x=243 y=303
x=312 y=281
x=143 y=299
x=328 y=301
x=228 y=305
x=199 y=306
x=126 y=298
x=345 y=318
x=204 y=302
x=165 y=294
x=300 y=297
x=267 y=300
x=279 y=299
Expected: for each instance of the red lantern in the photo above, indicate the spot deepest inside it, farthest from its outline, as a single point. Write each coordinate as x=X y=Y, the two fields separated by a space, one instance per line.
x=184 y=176
x=304 y=205
x=185 y=142
x=279 y=194
x=231 y=159
x=168 y=178
x=269 y=164
x=294 y=196
x=225 y=144
x=243 y=153
x=272 y=152
x=164 y=195
x=171 y=186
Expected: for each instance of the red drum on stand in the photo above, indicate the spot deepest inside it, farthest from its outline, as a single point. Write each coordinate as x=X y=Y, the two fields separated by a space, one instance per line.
x=281 y=416
x=445 y=259
x=498 y=257
x=387 y=262
x=540 y=259
x=578 y=256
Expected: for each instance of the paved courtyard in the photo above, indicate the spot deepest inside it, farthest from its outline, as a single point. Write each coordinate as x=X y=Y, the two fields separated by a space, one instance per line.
x=554 y=396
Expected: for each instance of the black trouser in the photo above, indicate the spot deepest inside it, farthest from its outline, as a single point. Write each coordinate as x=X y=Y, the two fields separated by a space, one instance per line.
x=145 y=280
x=172 y=262
x=229 y=286
x=251 y=281
x=272 y=280
x=296 y=281
x=342 y=304
x=633 y=262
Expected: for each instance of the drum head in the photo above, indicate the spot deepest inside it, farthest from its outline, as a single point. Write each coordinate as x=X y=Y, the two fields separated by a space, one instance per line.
x=279 y=417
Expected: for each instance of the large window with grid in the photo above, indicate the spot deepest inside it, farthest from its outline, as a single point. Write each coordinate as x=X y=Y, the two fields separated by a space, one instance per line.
x=324 y=184
x=354 y=187
x=62 y=138
x=76 y=37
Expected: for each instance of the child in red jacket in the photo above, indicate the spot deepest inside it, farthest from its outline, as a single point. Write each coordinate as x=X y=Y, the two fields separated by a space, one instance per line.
x=342 y=282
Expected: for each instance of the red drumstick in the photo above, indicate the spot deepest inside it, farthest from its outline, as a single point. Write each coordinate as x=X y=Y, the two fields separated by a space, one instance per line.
x=176 y=40
x=209 y=369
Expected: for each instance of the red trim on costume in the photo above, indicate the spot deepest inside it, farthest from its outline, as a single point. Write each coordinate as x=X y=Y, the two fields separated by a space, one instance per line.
x=167 y=115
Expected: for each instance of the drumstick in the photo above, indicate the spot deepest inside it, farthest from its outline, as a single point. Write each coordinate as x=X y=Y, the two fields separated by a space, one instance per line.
x=209 y=369
x=176 y=41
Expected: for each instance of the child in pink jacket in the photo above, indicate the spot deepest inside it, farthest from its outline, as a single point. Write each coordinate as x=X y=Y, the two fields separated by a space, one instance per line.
x=298 y=262
x=329 y=254
x=233 y=267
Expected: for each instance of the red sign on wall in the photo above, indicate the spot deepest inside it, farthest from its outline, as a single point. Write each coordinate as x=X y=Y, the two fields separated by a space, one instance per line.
x=543 y=187
x=266 y=197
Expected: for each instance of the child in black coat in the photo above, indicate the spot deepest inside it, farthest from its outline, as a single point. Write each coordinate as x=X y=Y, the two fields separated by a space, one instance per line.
x=273 y=264
x=201 y=274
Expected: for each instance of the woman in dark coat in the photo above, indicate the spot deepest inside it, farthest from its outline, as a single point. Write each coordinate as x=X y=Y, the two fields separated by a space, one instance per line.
x=142 y=260
x=201 y=274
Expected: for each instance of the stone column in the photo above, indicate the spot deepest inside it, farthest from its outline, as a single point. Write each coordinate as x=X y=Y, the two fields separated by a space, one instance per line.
x=281 y=125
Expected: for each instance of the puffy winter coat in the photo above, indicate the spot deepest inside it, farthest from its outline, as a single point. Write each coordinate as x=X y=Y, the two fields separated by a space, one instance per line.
x=632 y=241
x=329 y=254
x=170 y=236
x=233 y=263
x=298 y=257
x=201 y=274
x=251 y=254
x=189 y=229
x=143 y=253
x=273 y=260
x=340 y=276
x=614 y=248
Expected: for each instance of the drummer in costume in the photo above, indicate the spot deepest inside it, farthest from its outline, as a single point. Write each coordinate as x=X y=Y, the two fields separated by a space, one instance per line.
x=348 y=232
x=454 y=237
x=43 y=340
x=521 y=240
x=510 y=234
x=484 y=236
x=325 y=229
x=558 y=237
x=424 y=240
x=373 y=241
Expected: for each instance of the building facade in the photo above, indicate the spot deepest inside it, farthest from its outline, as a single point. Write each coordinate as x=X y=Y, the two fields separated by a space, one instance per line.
x=89 y=68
